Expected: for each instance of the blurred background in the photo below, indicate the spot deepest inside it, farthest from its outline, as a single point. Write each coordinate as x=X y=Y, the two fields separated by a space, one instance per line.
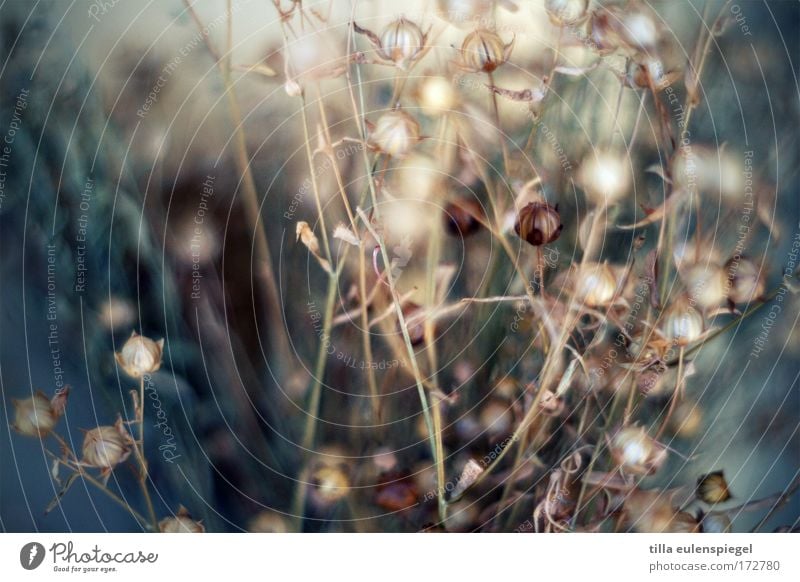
x=123 y=208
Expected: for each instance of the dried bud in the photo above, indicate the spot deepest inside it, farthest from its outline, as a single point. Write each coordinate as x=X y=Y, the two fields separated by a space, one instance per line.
x=329 y=484
x=705 y=283
x=37 y=416
x=268 y=522
x=484 y=51
x=396 y=492
x=713 y=488
x=745 y=281
x=140 y=355
x=637 y=452
x=460 y=217
x=682 y=323
x=595 y=284
x=395 y=134
x=182 y=522
x=401 y=42
x=106 y=446
x=566 y=12
x=436 y=96
x=538 y=223
x=605 y=177
x=687 y=420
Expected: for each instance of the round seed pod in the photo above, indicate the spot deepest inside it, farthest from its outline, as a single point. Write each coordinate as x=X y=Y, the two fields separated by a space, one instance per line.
x=496 y=417
x=182 y=522
x=706 y=284
x=328 y=485
x=637 y=452
x=401 y=42
x=460 y=217
x=745 y=281
x=436 y=96
x=268 y=522
x=595 y=284
x=605 y=177
x=395 y=134
x=538 y=223
x=106 y=446
x=484 y=51
x=34 y=416
x=713 y=488
x=566 y=12
x=715 y=522
x=682 y=323
x=396 y=492
x=140 y=355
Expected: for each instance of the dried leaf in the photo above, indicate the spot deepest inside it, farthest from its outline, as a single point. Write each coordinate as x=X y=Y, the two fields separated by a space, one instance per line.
x=57 y=499
x=343 y=233
x=258 y=68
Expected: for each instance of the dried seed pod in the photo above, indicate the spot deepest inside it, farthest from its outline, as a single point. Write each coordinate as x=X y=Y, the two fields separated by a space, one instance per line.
x=745 y=280
x=538 y=223
x=37 y=416
x=463 y=13
x=687 y=420
x=653 y=512
x=605 y=177
x=117 y=313
x=595 y=284
x=396 y=492
x=268 y=522
x=181 y=522
x=436 y=96
x=140 y=355
x=705 y=283
x=496 y=417
x=550 y=404
x=713 y=488
x=460 y=217
x=401 y=42
x=329 y=484
x=682 y=323
x=566 y=12
x=637 y=452
x=484 y=51
x=395 y=134
x=106 y=446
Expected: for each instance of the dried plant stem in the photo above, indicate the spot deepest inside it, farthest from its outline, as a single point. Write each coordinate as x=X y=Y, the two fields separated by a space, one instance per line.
x=676 y=395
x=138 y=447
x=261 y=248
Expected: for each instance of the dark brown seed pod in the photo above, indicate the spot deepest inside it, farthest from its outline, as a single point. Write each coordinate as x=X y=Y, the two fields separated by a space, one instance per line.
x=396 y=492
x=461 y=217
x=538 y=223
x=713 y=488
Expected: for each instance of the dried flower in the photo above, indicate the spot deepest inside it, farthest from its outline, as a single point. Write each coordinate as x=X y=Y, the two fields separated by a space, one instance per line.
x=713 y=488
x=395 y=134
x=705 y=284
x=682 y=323
x=401 y=42
x=181 y=522
x=484 y=51
x=595 y=284
x=140 y=355
x=566 y=12
x=538 y=223
x=460 y=217
x=745 y=281
x=106 y=446
x=637 y=452
x=605 y=177
x=329 y=484
x=436 y=96
x=37 y=416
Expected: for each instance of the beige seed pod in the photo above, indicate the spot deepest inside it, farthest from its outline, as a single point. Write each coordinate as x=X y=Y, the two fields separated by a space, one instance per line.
x=268 y=522
x=437 y=96
x=653 y=512
x=329 y=484
x=637 y=452
x=682 y=323
x=496 y=417
x=182 y=522
x=713 y=488
x=395 y=134
x=745 y=280
x=140 y=355
x=605 y=177
x=706 y=284
x=37 y=416
x=566 y=12
x=715 y=522
x=595 y=284
x=484 y=51
x=106 y=446
x=401 y=42
x=538 y=223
